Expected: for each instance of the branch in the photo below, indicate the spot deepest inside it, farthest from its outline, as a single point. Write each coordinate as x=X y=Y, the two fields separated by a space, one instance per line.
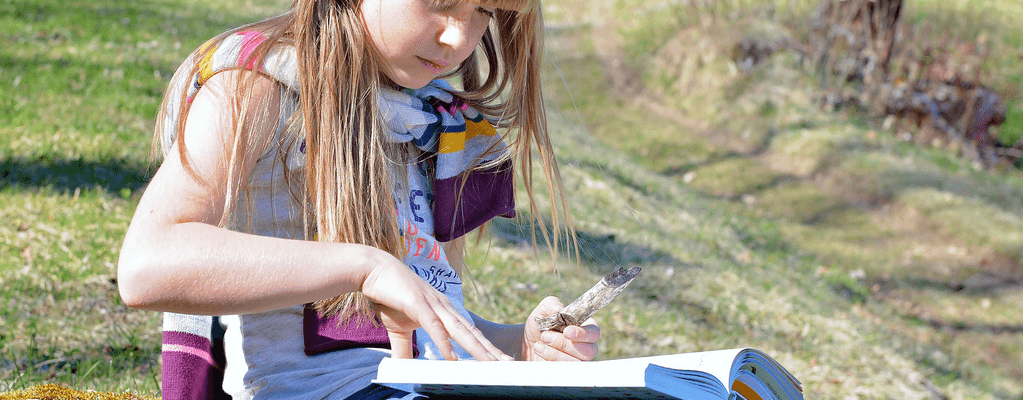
x=590 y=302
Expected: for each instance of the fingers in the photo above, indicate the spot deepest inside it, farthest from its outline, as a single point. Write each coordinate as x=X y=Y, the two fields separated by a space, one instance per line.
x=554 y=346
x=401 y=344
x=575 y=343
x=419 y=305
x=473 y=341
x=442 y=322
x=437 y=332
x=589 y=332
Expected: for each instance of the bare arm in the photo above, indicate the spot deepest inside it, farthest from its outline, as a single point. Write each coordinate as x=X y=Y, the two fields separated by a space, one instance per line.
x=508 y=338
x=175 y=257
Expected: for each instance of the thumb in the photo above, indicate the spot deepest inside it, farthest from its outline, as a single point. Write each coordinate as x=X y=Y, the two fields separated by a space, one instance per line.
x=549 y=306
x=401 y=344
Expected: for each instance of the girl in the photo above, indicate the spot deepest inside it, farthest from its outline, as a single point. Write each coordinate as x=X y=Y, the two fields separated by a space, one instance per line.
x=319 y=181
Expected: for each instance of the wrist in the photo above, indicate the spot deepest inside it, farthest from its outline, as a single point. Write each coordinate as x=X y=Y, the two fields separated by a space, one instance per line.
x=377 y=263
x=507 y=338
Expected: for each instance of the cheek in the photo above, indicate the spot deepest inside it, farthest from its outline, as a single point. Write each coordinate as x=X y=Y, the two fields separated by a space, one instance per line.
x=403 y=40
x=467 y=50
x=387 y=28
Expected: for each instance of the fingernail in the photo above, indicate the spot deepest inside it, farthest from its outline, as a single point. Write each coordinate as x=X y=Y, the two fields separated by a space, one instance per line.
x=539 y=347
x=547 y=337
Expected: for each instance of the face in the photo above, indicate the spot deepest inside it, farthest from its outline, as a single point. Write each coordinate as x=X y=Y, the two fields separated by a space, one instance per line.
x=420 y=40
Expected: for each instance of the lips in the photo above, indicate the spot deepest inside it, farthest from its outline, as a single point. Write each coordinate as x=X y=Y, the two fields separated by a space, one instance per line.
x=434 y=66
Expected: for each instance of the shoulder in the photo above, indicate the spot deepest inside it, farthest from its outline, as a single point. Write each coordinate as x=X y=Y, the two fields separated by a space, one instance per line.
x=225 y=88
x=231 y=81
x=238 y=102
x=240 y=92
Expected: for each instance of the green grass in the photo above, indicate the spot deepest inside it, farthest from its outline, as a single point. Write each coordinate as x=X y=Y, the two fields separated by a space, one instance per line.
x=63 y=321
x=80 y=83
x=866 y=265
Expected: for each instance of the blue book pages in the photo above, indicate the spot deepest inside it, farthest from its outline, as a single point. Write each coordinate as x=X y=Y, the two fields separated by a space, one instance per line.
x=684 y=384
x=749 y=387
x=777 y=379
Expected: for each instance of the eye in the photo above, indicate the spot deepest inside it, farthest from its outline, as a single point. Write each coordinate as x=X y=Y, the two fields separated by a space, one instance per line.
x=485 y=11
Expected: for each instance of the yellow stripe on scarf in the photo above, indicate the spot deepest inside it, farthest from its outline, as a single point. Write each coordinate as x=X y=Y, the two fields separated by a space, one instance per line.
x=454 y=142
x=206 y=63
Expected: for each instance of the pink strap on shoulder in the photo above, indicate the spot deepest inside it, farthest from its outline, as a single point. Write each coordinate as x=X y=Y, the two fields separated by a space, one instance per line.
x=250 y=40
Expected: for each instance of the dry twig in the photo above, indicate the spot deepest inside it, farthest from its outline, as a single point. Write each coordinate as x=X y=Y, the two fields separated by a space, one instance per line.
x=590 y=302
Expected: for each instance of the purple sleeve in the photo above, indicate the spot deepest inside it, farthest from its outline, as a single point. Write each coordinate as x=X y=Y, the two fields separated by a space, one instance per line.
x=193 y=367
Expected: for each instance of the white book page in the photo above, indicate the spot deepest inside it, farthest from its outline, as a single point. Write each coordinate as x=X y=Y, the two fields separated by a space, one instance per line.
x=627 y=372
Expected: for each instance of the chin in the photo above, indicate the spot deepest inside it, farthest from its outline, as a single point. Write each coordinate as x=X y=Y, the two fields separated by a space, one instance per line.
x=412 y=82
x=415 y=84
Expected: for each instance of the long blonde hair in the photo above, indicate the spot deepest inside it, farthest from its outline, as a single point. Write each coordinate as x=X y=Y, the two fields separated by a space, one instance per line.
x=347 y=193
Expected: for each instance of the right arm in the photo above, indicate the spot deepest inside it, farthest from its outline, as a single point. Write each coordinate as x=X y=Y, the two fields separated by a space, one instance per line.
x=175 y=258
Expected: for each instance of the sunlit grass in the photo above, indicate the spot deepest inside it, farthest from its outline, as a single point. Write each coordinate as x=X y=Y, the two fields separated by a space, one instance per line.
x=80 y=85
x=833 y=186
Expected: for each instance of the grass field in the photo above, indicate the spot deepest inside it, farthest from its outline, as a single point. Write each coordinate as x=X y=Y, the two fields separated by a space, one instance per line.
x=869 y=266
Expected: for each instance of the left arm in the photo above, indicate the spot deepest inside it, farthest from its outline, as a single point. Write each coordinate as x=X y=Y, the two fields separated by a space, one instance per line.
x=507 y=338
x=525 y=341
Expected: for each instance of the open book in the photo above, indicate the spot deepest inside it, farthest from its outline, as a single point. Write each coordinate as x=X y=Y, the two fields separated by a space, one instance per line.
x=722 y=374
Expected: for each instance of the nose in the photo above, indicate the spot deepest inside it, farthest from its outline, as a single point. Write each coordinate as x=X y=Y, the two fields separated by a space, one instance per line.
x=456 y=28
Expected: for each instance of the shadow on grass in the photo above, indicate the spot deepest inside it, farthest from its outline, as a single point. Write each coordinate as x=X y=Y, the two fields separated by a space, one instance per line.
x=78 y=334
x=959 y=326
x=759 y=149
x=980 y=284
x=601 y=254
x=68 y=175
x=596 y=250
x=98 y=368
x=821 y=217
x=1006 y=197
x=680 y=170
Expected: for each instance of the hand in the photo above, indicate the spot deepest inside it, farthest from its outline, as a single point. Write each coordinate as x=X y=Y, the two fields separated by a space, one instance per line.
x=405 y=302
x=574 y=343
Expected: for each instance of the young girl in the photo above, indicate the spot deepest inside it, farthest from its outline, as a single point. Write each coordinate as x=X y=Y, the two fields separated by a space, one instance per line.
x=318 y=179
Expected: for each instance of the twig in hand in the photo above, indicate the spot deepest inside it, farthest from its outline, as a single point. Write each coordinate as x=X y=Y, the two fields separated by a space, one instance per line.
x=590 y=302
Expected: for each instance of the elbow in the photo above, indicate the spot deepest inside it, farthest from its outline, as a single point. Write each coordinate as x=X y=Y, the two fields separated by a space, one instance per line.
x=130 y=294
x=134 y=283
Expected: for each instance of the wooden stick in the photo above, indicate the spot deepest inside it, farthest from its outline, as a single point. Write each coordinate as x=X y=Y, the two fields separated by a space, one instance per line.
x=590 y=302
